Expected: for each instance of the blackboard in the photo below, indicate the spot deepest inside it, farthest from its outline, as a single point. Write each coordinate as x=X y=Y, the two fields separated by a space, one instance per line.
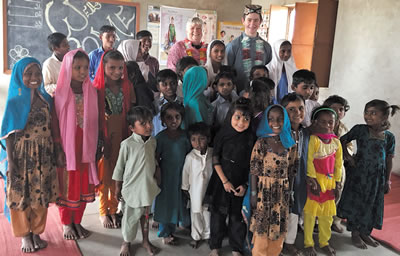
x=27 y=23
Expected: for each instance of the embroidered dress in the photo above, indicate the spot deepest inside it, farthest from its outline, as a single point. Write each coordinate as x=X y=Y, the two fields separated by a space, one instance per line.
x=325 y=164
x=34 y=183
x=362 y=199
x=185 y=48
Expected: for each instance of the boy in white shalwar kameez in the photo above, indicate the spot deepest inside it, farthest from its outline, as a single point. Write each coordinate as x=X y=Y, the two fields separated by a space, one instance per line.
x=196 y=173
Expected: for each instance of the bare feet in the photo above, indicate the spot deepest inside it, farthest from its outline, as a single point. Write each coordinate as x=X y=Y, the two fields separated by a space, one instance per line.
x=291 y=249
x=69 y=232
x=81 y=231
x=235 y=253
x=170 y=240
x=309 y=251
x=337 y=228
x=369 y=241
x=150 y=248
x=195 y=244
x=116 y=221
x=357 y=241
x=214 y=252
x=328 y=250
x=106 y=222
x=38 y=242
x=27 y=245
x=125 y=249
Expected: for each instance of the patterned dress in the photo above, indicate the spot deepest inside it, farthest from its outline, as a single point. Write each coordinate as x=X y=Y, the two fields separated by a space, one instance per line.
x=273 y=191
x=363 y=194
x=34 y=183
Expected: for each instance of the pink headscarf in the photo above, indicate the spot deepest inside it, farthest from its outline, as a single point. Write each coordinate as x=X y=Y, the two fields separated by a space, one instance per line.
x=64 y=101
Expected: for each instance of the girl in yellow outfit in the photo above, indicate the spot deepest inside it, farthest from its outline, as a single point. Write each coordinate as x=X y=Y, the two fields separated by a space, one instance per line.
x=324 y=172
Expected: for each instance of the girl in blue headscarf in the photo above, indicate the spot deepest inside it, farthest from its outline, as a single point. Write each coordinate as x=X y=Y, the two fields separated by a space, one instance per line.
x=30 y=169
x=197 y=106
x=271 y=167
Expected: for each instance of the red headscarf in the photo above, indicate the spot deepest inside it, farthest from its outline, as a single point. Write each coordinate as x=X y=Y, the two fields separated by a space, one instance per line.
x=127 y=90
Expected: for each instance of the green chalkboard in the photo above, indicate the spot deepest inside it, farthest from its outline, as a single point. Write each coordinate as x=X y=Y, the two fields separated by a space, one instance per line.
x=27 y=23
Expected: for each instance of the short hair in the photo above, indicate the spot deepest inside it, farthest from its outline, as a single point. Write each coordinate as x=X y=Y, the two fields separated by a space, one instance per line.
x=226 y=68
x=337 y=99
x=291 y=97
x=269 y=82
x=254 y=68
x=185 y=62
x=193 y=21
x=260 y=95
x=55 y=39
x=172 y=105
x=138 y=113
x=81 y=55
x=224 y=74
x=106 y=29
x=303 y=76
x=143 y=33
x=322 y=109
x=164 y=74
x=199 y=128
x=113 y=54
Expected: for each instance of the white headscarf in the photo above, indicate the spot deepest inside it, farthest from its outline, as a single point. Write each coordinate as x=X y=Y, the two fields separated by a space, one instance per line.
x=276 y=64
x=210 y=71
x=129 y=49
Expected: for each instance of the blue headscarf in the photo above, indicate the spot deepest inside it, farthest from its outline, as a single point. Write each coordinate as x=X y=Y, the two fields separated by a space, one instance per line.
x=265 y=131
x=18 y=103
x=17 y=109
x=197 y=107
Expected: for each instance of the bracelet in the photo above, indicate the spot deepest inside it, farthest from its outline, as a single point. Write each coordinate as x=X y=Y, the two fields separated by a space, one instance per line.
x=253 y=193
x=223 y=183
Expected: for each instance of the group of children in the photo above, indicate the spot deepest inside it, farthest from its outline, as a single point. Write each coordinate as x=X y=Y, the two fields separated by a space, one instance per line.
x=249 y=164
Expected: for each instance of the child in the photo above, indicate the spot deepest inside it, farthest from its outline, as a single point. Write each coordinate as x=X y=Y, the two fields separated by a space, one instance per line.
x=368 y=173
x=303 y=84
x=146 y=39
x=294 y=105
x=282 y=68
x=134 y=174
x=224 y=85
x=172 y=147
x=315 y=95
x=258 y=71
x=167 y=82
x=340 y=106
x=197 y=107
x=107 y=37
x=183 y=65
x=31 y=177
x=144 y=95
x=78 y=134
x=116 y=96
x=260 y=98
x=271 y=169
x=215 y=59
x=197 y=171
x=229 y=181
x=58 y=44
x=324 y=172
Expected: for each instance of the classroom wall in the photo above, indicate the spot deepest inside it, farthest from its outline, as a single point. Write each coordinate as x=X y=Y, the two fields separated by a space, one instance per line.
x=267 y=3
x=227 y=10
x=365 y=58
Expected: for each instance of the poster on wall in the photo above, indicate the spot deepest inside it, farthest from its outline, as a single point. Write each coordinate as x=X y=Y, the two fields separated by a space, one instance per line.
x=172 y=28
x=209 y=19
x=153 y=25
x=227 y=31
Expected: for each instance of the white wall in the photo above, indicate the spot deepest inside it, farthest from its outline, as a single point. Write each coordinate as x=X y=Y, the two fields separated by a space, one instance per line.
x=267 y=3
x=365 y=58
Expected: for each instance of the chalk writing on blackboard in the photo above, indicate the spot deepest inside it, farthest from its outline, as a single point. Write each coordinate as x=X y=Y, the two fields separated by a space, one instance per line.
x=25 y=14
x=17 y=53
x=90 y=8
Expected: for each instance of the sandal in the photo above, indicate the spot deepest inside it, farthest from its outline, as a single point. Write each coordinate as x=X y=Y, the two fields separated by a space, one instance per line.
x=170 y=240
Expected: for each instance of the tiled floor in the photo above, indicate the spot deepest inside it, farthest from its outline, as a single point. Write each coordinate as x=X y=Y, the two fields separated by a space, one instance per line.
x=106 y=242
